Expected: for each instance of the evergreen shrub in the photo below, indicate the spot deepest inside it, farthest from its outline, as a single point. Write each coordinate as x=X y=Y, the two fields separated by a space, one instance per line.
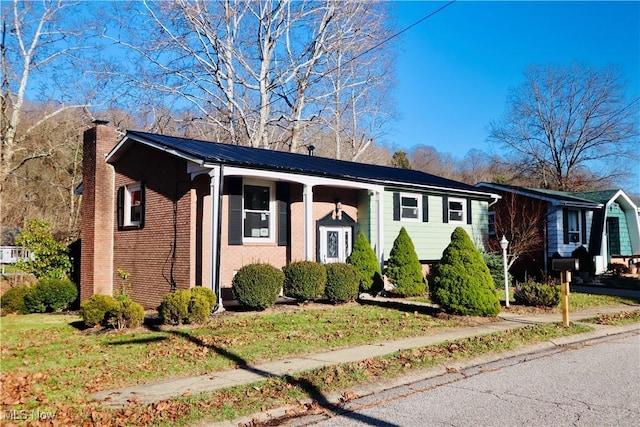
x=192 y=305
x=496 y=268
x=50 y=294
x=256 y=286
x=343 y=281
x=12 y=301
x=174 y=308
x=199 y=307
x=125 y=314
x=207 y=294
x=461 y=282
x=365 y=261
x=404 y=270
x=304 y=280
x=537 y=294
x=94 y=309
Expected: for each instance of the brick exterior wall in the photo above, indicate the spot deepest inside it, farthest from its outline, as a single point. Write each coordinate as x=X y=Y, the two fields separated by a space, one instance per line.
x=97 y=213
x=158 y=256
x=233 y=257
x=172 y=250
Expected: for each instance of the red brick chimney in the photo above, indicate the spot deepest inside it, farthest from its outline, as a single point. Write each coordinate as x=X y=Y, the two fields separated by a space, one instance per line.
x=98 y=211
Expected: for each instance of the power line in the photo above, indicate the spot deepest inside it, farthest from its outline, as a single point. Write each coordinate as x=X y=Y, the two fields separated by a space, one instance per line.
x=388 y=39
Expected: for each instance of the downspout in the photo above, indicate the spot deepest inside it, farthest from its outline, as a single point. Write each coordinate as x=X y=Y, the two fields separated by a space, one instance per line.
x=495 y=200
x=215 y=192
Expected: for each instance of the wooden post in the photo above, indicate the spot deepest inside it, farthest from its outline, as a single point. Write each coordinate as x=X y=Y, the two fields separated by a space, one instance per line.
x=566 y=279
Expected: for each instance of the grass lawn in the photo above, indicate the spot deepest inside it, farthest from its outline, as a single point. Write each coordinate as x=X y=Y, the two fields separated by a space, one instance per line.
x=49 y=363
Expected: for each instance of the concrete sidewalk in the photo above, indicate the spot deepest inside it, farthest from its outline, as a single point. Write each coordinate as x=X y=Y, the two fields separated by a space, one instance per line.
x=157 y=391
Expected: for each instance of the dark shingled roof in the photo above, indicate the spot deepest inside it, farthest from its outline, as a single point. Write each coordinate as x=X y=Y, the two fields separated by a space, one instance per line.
x=211 y=152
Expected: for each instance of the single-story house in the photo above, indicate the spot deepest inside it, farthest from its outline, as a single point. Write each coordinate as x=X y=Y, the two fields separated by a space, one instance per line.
x=605 y=223
x=176 y=213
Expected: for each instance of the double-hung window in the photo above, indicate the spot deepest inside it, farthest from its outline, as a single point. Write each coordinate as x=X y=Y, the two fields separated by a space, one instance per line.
x=573 y=224
x=131 y=202
x=134 y=204
x=457 y=210
x=257 y=212
x=410 y=207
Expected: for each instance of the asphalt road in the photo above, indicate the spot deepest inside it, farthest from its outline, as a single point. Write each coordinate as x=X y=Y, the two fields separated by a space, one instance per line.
x=594 y=383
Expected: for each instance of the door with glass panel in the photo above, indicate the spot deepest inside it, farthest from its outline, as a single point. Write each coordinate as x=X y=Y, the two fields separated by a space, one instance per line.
x=335 y=244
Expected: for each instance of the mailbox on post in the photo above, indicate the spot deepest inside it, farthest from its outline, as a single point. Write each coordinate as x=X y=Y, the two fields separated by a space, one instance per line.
x=565 y=266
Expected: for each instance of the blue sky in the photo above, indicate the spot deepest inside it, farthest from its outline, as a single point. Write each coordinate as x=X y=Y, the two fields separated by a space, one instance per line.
x=454 y=69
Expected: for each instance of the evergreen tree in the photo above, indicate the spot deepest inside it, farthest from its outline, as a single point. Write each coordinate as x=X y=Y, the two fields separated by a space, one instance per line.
x=461 y=282
x=403 y=268
x=366 y=263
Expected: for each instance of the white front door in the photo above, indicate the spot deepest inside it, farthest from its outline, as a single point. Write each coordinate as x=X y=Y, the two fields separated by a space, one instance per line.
x=335 y=244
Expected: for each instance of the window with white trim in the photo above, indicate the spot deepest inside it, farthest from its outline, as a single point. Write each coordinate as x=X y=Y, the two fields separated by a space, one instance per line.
x=131 y=202
x=258 y=212
x=457 y=210
x=573 y=223
x=410 y=207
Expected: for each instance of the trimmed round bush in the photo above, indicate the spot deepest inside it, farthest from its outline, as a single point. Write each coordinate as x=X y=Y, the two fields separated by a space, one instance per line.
x=256 y=286
x=126 y=314
x=94 y=310
x=199 y=307
x=537 y=294
x=50 y=294
x=304 y=280
x=365 y=261
x=461 y=282
x=192 y=305
x=12 y=301
x=404 y=270
x=206 y=293
x=343 y=281
x=174 y=308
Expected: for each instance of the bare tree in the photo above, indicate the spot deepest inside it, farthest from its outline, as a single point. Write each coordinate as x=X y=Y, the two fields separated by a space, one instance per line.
x=521 y=220
x=356 y=94
x=427 y=159
x=566 y=120
x=258 y=70
x=42 y=80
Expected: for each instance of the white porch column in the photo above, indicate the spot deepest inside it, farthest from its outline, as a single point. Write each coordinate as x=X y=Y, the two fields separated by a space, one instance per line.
x=307 y=198
x=380 y=220
x=214 y=193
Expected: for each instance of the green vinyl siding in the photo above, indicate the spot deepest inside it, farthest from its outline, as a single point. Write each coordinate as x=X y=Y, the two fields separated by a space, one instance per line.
x=367 y=217
x=619 y=238
x=432 y=237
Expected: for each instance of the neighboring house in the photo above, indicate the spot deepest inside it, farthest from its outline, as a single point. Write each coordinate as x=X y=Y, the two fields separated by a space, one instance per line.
x=150 y=203
x=606 y=223
x=13 y=254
